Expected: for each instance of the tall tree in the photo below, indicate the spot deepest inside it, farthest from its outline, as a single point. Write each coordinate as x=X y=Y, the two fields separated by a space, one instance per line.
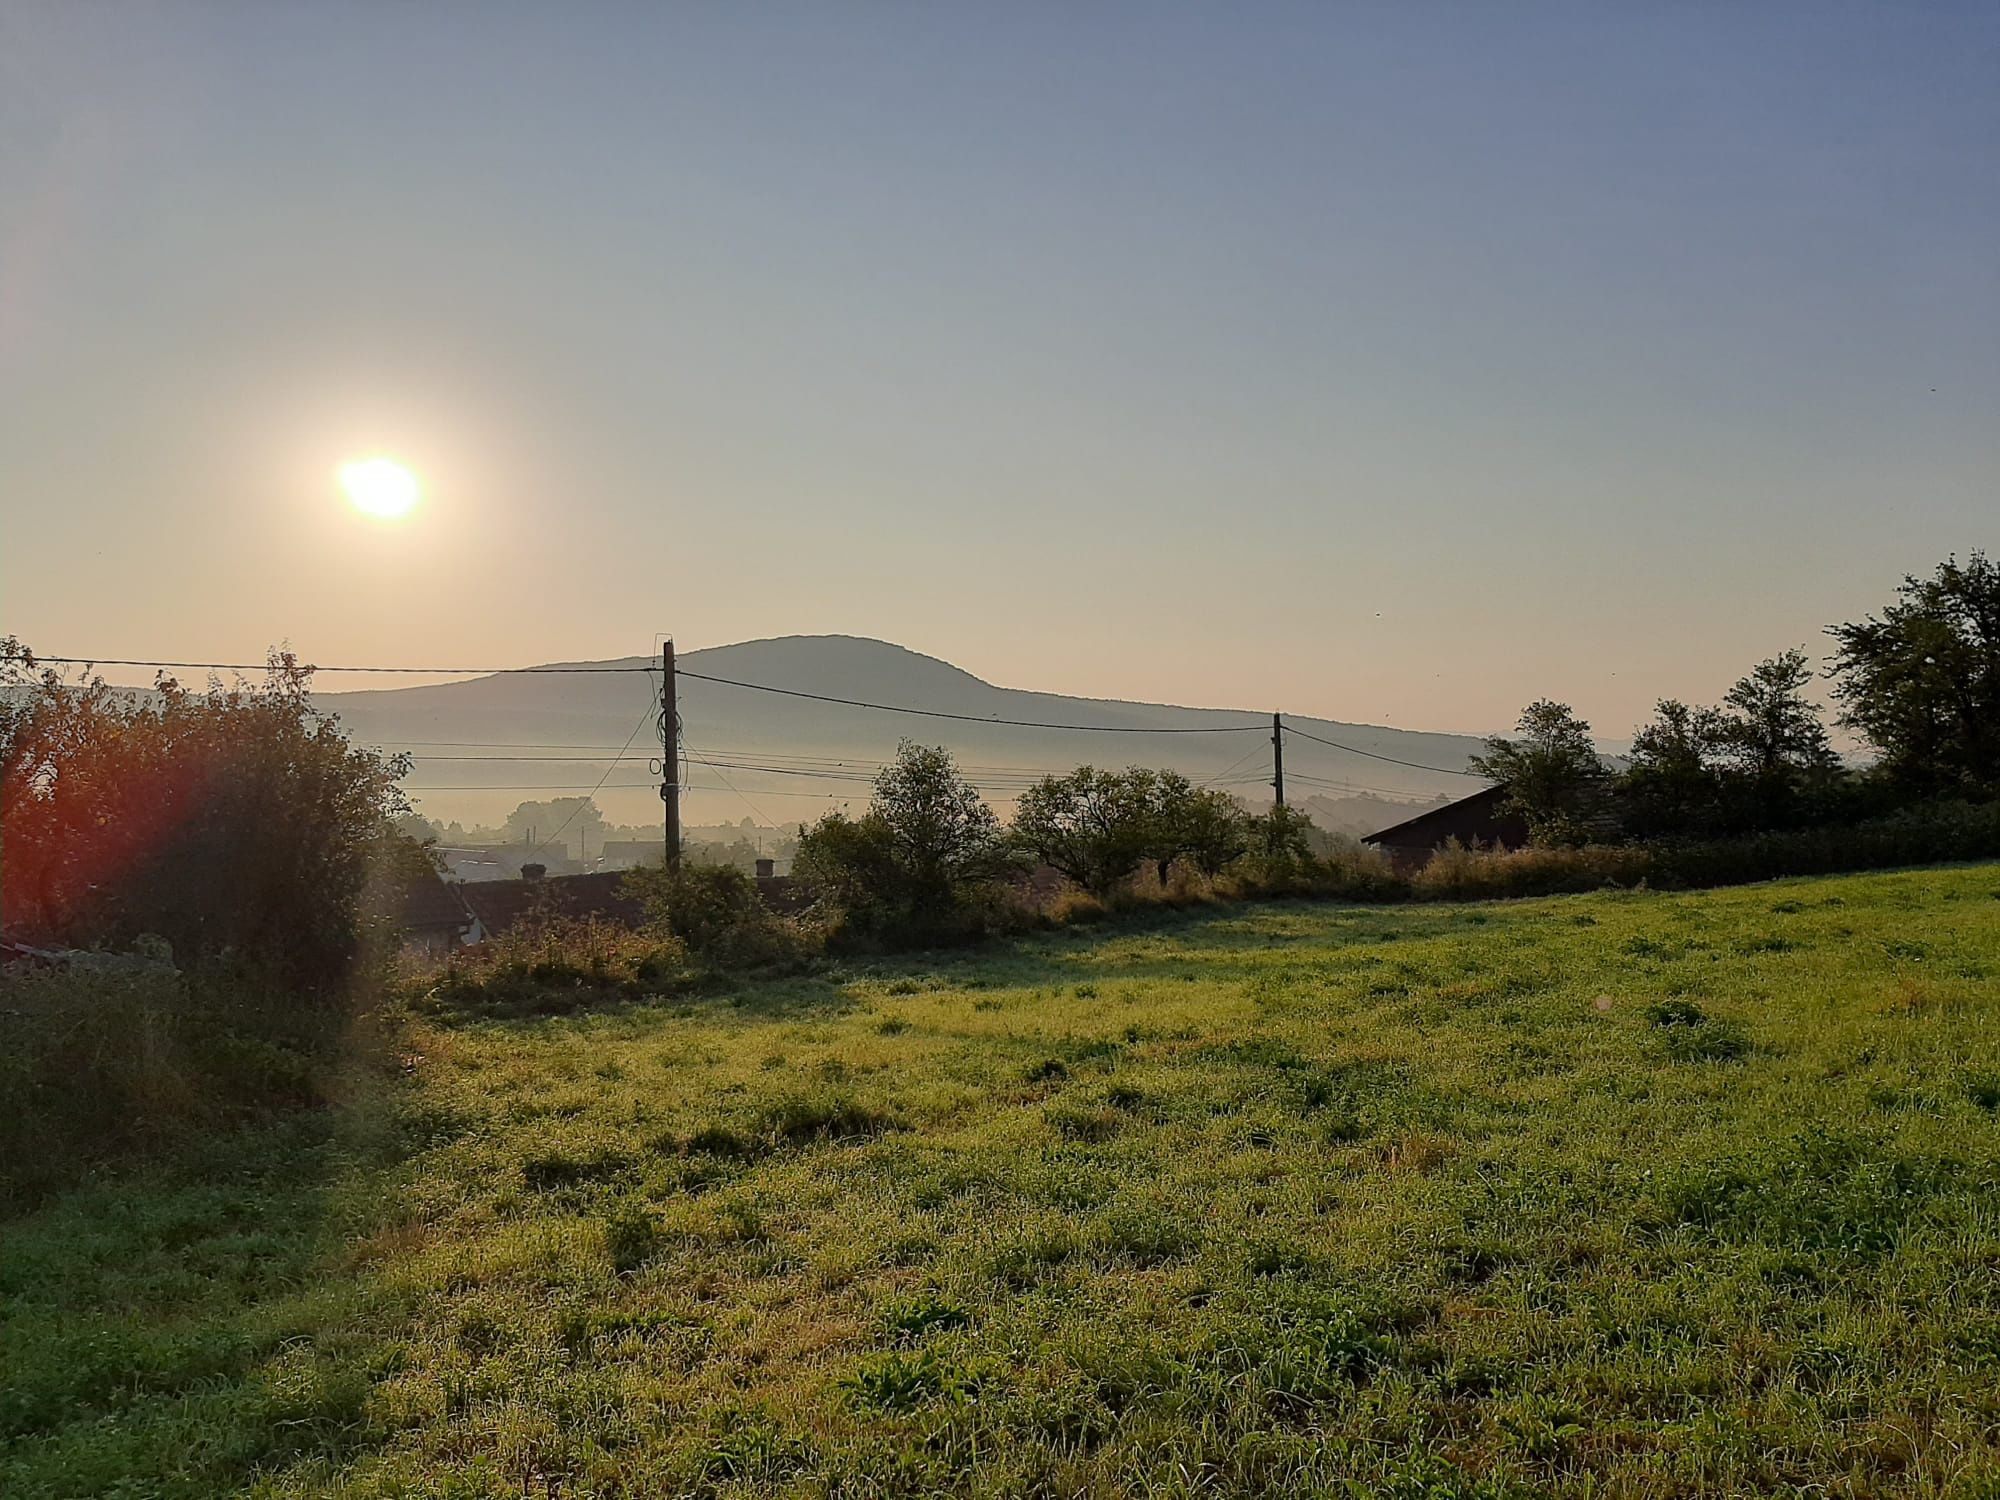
x=579 y=819
x=1674 y=782
x=1199 y=824
x=923 y=855
x=940 y=829
x=1774 y=740
x=1921 y=682
x=1552 y=772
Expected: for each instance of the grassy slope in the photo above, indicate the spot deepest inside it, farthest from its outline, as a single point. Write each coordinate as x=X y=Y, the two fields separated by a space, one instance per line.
x=1272 y=1199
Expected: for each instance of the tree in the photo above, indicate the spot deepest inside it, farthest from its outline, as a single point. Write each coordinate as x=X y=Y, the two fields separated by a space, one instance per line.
x=235 y=821
x=1773 y=739
x=926 y=850
x=944 y=836
x=849 y=864
x=1283 y=836
x=1674 y=783
x=1199 y=824
x=580 y=820
x=1092 y=826
x=1921 y=682
x=1552 y=772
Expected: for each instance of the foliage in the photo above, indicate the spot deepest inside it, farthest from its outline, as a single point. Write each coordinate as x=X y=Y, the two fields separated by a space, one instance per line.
x=1322 y=1201
x=234 y=821
x=1774 y=742
x=1930 y=833
x=1283 y=835
x=718 y=912
x=1552 y=773
x=105 y=1057
x=1092 y=826
x=579 y=820
x=1459 y=873
x=1673 y=784
x=922 y=864
x=552 y=964
x=1201 y=825
x=1760 y=761
x=1921 y=681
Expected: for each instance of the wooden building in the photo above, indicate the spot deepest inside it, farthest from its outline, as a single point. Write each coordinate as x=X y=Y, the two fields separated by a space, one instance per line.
x=1480 y=819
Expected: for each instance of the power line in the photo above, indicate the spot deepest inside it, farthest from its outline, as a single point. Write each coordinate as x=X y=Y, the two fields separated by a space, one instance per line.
x=1352 y=750
x=586 y=802
x=490 y=745
x=264 y=666
x=561 y=760
x=938 y=713
x=1223 y=774
x=696 y=756
x=929 y=713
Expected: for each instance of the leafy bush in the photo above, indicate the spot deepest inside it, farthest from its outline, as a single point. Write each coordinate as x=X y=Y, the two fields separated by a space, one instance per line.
x=235 y=821
x=718 y=914
x=924 y=864
x=1287 y=861
x=1091 y=826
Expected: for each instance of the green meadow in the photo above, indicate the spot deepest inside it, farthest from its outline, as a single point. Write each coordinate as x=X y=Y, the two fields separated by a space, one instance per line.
x=1627 y=1194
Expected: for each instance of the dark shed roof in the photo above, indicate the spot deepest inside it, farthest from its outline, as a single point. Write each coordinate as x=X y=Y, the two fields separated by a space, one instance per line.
x=1479 y=818
x=431 y=905
x=500 y=904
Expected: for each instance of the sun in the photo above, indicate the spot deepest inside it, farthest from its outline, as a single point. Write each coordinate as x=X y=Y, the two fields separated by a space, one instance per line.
x=380 y=487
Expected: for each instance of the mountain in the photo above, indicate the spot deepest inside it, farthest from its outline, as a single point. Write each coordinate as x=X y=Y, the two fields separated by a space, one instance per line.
x=788 y=758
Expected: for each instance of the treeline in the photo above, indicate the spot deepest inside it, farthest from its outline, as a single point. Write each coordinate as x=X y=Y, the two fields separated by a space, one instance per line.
x=1919 y=684
x=931 y=861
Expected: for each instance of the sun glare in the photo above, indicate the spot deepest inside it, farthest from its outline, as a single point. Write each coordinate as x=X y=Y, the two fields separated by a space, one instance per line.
x=380 y=487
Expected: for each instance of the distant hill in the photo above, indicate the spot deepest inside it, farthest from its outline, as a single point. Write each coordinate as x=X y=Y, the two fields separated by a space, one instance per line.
x=786 y=758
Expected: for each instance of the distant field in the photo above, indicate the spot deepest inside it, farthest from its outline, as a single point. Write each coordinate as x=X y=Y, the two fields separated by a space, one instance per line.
x=1630 y=1194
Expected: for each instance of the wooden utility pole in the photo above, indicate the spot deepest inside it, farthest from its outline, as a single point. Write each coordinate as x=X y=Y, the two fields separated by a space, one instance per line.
x=1278 y=758
x=670 y=754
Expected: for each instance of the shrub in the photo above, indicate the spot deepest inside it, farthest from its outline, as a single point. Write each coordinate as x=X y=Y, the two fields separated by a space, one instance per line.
x=924 y=864
x=1456 y=873
x=1091 y=826
x=555 y=963
x=1931 y=833
x=718 y=914
x=1337 y=870
x=239 y=820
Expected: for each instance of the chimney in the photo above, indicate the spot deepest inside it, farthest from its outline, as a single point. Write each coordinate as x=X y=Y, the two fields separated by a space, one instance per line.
x=767 y=869
x=533 y=872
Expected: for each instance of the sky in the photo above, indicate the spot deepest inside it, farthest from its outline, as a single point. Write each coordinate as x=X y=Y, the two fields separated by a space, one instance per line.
x=1394 y=363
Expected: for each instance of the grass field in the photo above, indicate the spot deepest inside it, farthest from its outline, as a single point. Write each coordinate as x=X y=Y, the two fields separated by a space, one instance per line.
x=1625 y=1194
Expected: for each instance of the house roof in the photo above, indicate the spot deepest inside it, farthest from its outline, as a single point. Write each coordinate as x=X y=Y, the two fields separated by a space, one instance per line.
x=430 y=904
x=500 y=904
x=1482 y=810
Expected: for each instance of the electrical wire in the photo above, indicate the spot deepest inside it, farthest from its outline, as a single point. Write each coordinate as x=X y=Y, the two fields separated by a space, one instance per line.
x=938 y=713
x=1223 y=774
x=264 y=666
x=585 y=802
x=1392 y=760
x=756 y=811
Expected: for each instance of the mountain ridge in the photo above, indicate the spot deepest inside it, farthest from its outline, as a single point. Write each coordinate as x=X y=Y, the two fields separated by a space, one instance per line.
x=742 y=742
